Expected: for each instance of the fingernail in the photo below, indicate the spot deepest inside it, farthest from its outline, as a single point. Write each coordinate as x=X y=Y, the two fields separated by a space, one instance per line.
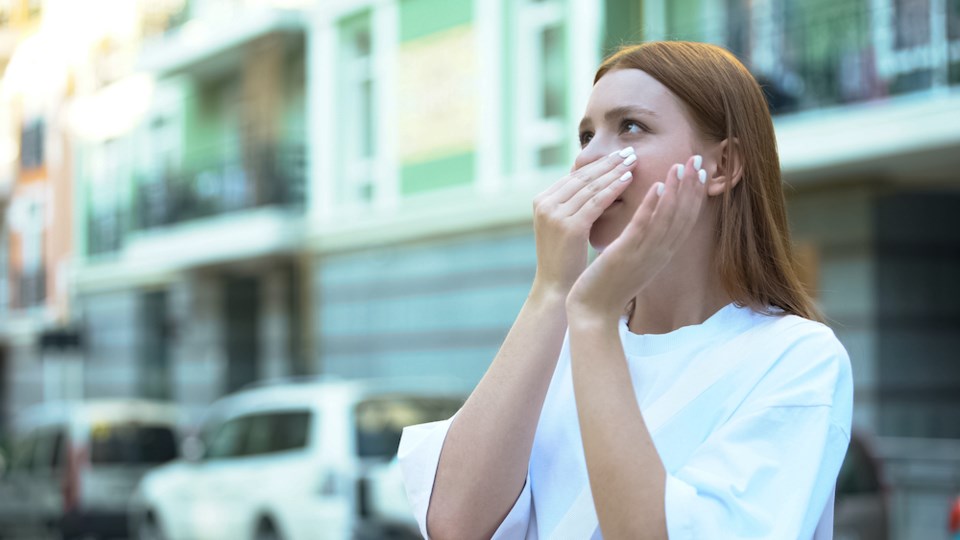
x=626 y=176
x=703 y=176
x=627 y=151
x=679 y=172
x=660 y=188
x=630 y=159
x=697 y=162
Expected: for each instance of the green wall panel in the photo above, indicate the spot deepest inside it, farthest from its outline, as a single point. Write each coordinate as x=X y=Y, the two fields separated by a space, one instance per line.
x=419 y=18
x=439 y=173
x=685 y=20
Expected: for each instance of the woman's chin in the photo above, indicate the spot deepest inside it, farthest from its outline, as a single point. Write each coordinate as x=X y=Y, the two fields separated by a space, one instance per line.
x=608 y=226
x=603 y=233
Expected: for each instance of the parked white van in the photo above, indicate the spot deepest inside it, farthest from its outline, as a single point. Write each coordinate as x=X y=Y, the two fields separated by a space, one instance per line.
x=293 y=460
x=75 y=465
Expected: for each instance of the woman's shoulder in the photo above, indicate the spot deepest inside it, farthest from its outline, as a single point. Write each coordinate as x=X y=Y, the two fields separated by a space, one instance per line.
x=808 y=365
x=790 y=329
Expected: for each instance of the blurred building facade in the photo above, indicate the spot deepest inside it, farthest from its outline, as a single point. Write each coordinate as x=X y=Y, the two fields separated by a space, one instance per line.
x=264 y=188
x=190 y=274
x=37 y=336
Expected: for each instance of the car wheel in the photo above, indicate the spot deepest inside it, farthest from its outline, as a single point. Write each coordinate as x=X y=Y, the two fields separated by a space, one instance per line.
x=266 y=531
x=148 y=529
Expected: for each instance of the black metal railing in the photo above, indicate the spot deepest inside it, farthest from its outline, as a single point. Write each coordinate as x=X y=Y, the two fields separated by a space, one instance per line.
x=105 y=230
x=816 y=54
x=267 y=175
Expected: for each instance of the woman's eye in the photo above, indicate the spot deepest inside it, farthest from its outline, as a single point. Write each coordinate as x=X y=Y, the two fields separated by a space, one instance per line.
x=630 y=126
x=585 y=138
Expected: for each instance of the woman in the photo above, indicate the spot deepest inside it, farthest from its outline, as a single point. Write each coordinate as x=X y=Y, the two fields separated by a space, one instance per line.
x=694 y=395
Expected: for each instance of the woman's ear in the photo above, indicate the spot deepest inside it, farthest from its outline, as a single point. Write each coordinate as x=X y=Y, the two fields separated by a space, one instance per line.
x=727 y=167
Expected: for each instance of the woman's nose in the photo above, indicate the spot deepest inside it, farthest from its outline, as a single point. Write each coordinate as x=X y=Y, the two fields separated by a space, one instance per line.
x=591 y=153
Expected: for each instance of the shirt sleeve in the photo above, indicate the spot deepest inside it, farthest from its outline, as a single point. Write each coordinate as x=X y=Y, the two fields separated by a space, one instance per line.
x=766 y=475
x=419 y=455
x=770 y=470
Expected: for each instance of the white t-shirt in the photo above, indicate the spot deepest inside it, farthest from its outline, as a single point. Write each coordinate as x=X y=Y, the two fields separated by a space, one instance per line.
x=755 y=454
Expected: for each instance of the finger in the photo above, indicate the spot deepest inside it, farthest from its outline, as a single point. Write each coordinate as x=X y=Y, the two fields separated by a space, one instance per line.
x=693 y=190
x=620 y=174
x=644 y=214
x=554 y=187
x=664 y=214
x=689 y=169
x=689 y=173
x=687 y=198
x=588 y=210
x=593 y=170
x=586 y=174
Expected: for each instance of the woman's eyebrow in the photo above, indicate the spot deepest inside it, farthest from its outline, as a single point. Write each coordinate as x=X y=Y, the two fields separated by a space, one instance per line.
x=619 y=112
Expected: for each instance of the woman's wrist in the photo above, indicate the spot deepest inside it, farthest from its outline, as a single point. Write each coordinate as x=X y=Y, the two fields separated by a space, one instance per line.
x=590 y=315
x=548 y=293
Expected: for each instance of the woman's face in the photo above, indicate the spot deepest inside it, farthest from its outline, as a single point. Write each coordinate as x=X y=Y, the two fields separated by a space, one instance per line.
x=630 y=108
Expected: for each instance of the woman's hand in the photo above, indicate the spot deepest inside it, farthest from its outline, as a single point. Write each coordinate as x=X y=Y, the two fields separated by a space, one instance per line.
x=662 y=221
x=565 y=212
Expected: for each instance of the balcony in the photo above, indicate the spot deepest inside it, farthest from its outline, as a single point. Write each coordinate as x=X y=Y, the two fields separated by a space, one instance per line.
x=270 y=175
x=267 y=176
x=858 y=88
x=819 y=54
x=105 y=230
x=213 y=34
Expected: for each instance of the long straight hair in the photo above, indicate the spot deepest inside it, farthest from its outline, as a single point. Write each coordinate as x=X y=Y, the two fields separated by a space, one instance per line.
x=754 y=254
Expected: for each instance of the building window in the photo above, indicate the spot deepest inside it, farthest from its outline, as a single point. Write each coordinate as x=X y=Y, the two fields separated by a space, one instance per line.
x=105 y=195
x=912 y=23
x=738 y=28
x=623 y=24
x=541 y=89
x=356 y=120
x=918 y=43
x=953 y=23
x=27 y=232
x=156 y=335
x=31 y=145
x=158 y=165
x=807 y=56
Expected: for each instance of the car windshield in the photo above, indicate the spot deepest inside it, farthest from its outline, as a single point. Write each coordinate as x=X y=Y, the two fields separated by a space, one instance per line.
x=259 y=433
x=132 y=444
x=381 y=420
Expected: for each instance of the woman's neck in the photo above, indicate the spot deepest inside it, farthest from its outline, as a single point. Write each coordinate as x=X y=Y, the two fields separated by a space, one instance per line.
x=654 y=314
x=685 y=292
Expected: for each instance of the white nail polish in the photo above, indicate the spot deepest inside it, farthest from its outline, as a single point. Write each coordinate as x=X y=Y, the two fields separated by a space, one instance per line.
x=627 y=151
x=626 y=176
x=630 y=159
x=703 y=176
x=614 y=153
x=697 y=162
x=679 y=172
x=660 y=188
